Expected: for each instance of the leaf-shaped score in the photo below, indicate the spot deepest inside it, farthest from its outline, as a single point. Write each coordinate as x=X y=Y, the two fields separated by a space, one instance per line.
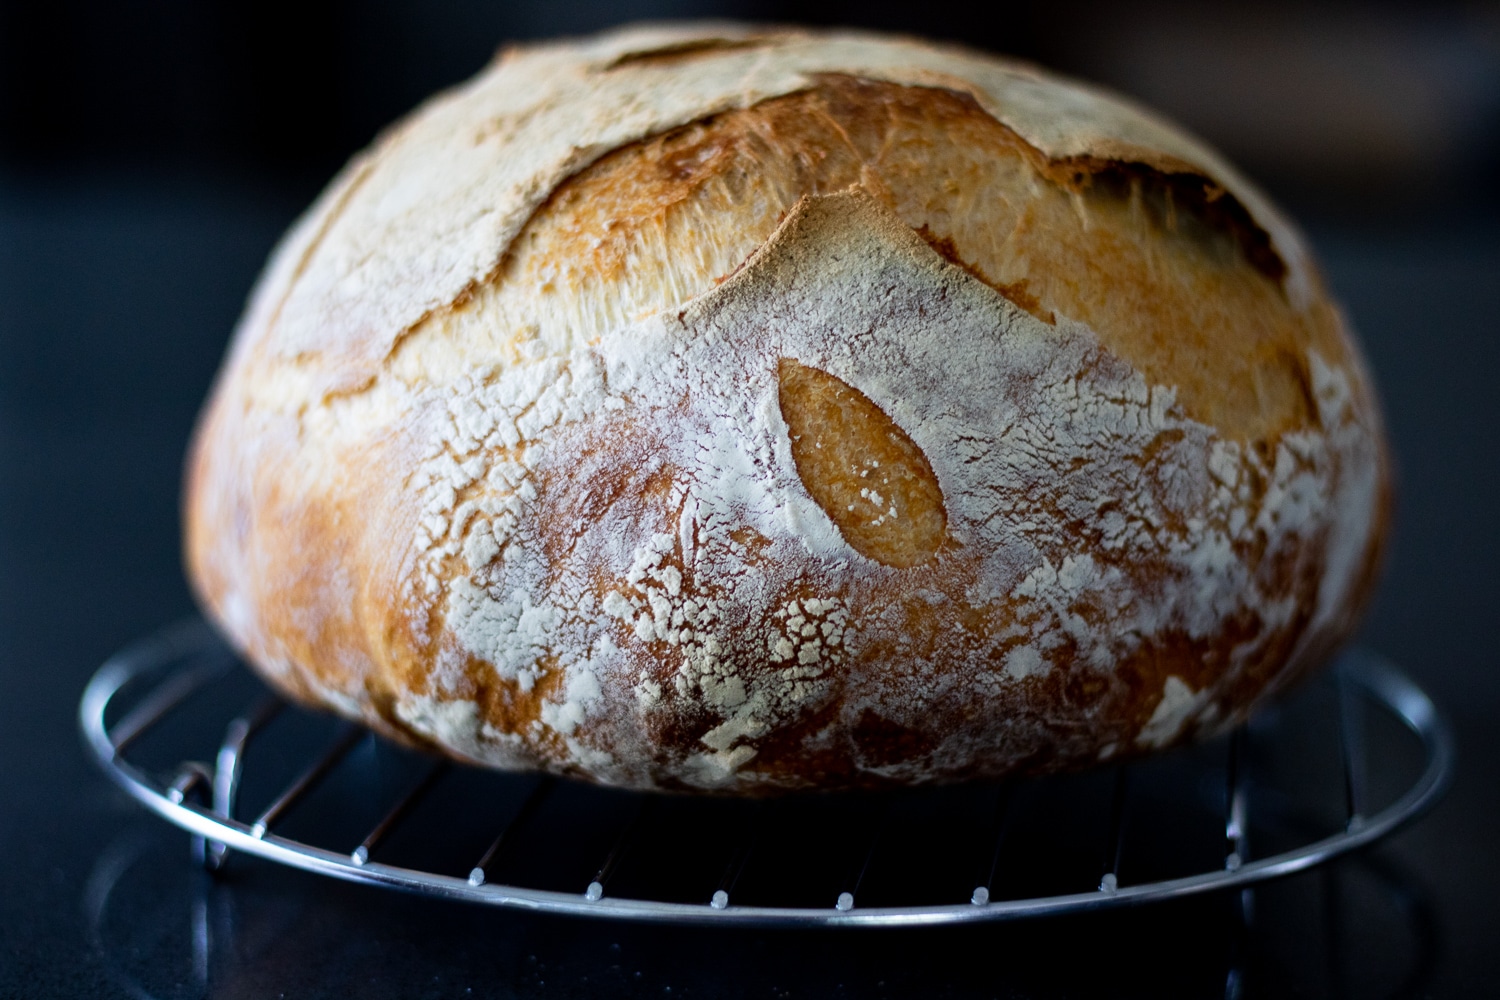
x=866 y=473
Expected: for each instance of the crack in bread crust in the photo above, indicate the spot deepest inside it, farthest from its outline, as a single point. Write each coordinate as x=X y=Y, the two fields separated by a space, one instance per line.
x=462 y=177
x=655 y=224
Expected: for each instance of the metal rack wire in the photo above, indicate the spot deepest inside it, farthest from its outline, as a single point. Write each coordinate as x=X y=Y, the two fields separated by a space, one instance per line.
x=179 y=668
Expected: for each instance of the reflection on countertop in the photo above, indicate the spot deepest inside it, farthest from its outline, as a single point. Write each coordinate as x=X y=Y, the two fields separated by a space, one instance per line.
x=160 y=927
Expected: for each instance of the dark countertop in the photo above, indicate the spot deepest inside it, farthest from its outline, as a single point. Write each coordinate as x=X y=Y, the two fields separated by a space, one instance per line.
x=116 y=298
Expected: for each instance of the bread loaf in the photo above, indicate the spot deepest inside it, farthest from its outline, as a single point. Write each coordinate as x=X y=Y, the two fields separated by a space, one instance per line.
x=709 y=408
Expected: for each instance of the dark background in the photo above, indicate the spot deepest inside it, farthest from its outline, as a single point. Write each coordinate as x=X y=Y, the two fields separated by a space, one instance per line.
x=152 y=152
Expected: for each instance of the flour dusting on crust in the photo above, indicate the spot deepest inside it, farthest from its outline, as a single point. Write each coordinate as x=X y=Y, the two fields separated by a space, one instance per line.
x=709 y=594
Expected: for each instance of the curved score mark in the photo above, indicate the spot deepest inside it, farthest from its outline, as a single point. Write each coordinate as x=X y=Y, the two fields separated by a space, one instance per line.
x=866 y=473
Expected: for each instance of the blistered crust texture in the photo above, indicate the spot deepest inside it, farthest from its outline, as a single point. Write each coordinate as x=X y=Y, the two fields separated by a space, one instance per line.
x=699 y=408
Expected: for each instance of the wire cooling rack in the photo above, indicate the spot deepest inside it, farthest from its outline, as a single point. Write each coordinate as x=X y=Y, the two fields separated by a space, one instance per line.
x=1344 y=762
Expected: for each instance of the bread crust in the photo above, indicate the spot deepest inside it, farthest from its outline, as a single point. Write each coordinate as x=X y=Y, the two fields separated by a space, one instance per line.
x=701 y=408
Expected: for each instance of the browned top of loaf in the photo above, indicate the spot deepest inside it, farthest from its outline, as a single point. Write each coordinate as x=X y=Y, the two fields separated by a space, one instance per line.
x=427 y=218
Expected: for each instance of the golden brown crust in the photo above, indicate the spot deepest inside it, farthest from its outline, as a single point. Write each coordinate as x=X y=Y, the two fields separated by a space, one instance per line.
x=857 y=422
x=1135 y=254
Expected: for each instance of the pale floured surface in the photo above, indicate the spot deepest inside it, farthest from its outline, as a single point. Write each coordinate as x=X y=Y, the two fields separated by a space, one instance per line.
x=720 y=602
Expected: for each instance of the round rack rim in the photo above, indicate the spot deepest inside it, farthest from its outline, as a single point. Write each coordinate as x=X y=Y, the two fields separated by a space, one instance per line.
x=1381 y=681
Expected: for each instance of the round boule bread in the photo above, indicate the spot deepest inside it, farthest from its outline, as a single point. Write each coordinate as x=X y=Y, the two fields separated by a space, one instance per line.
x=705 y=407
